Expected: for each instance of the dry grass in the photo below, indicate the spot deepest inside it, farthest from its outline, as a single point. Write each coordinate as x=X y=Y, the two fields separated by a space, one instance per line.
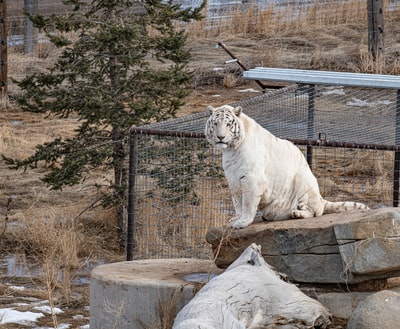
x=45 y=224
x=44 y=227
x=318 y=36
x=330 y=36
x=277 y=19
x=327 y=36
x=314 y=37
x=180 y=229
x=360 y=175
x=166 y=312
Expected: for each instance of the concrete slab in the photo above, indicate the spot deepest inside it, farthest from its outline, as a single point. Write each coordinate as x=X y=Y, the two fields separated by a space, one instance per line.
x=132 y=294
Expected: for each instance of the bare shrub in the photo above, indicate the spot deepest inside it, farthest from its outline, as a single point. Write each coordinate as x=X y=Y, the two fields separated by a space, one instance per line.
x=165 y=313
x=230 y=81
x=7 y=138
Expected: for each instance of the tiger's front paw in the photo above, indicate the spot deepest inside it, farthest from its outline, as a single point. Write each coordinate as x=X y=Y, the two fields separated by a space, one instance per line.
x=240 y=223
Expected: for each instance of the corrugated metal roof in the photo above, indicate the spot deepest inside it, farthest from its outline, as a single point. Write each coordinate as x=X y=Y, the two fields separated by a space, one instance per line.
x=323 y=77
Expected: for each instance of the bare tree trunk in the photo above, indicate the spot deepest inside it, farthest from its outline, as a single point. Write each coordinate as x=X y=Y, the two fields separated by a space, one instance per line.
x=119 y=158
x=375 y=28
x=3 y=55
x=121 y=183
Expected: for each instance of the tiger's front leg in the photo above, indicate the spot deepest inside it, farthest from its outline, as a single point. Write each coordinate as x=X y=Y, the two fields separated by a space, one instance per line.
x=237 y=205
x=248 y=202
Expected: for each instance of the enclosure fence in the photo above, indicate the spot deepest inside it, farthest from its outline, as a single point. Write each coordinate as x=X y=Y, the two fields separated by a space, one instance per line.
x=178 y=190
x=25 y=50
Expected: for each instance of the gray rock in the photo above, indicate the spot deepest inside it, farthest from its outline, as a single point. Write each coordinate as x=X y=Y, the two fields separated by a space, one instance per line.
x=369 y=245
x=380 y=310
x=342 y=304
x=349 y=247
x=371 y=256
x=383 y=222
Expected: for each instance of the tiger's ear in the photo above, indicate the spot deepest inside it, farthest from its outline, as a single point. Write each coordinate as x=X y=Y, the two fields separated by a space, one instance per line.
x=210 y=109
x=237 y=110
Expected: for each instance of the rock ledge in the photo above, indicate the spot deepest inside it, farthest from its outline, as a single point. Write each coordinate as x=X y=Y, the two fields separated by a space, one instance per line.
x=349 y=247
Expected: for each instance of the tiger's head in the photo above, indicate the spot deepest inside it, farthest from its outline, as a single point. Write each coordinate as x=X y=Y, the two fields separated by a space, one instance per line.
x=224 y=128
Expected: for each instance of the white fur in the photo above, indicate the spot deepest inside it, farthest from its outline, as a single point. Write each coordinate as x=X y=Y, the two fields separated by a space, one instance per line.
x=265 y=172
x=250 y=295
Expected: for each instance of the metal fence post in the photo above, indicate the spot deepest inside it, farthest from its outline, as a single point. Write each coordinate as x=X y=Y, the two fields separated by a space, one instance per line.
x=310 y=123
x=396 y=165
x=3 y=53
x=130 y=242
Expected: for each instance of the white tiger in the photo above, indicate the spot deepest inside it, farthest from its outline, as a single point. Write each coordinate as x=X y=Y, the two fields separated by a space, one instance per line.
x=265 y=172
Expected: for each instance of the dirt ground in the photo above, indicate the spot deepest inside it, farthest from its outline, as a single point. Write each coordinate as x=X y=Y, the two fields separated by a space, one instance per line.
x=24 y=196
x=31 y=198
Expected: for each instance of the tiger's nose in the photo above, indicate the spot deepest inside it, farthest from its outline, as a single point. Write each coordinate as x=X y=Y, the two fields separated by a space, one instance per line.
x=220 y=137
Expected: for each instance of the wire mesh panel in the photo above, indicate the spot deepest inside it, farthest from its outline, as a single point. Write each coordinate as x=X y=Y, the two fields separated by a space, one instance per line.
x=341 y=114
x=349 y=174
x=179 y=193
x=348 y=135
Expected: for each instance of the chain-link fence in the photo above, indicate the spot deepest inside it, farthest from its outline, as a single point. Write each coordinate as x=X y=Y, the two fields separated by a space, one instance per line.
x=178 y=190
x=326 y=34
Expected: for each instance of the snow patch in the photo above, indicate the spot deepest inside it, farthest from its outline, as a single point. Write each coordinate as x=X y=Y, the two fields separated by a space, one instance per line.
x=333 y=91
x=17 y=288
x=48 y=310
x=9 y=315
x=249 y=90
x=361 y=103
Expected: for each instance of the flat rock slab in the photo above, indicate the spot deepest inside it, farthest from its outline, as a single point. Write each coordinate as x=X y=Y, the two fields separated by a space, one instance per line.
x=349 y=247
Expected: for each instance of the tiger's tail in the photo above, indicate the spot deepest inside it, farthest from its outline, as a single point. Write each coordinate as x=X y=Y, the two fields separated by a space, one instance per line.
x=335 y=207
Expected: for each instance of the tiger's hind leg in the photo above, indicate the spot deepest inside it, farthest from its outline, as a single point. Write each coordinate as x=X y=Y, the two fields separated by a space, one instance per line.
x=302 y=211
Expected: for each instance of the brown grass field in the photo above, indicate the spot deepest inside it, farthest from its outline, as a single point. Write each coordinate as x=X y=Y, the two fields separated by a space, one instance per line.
x=60 y=232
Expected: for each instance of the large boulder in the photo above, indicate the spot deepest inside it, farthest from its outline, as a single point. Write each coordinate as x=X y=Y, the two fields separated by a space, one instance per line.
x=342 y=304
x=349 y=247
x=380 y=310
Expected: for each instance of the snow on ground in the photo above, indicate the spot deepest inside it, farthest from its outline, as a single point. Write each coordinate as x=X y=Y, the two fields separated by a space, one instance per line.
x=48 y=310
x=9 y=315
x=363 y=103
x=249 y=90
x=28 y=319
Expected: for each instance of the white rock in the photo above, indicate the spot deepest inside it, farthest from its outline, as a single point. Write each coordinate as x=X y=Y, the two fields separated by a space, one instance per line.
x=249 y=294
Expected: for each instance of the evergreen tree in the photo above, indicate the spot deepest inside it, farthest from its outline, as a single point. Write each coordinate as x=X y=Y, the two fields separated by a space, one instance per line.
x=127 y=67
